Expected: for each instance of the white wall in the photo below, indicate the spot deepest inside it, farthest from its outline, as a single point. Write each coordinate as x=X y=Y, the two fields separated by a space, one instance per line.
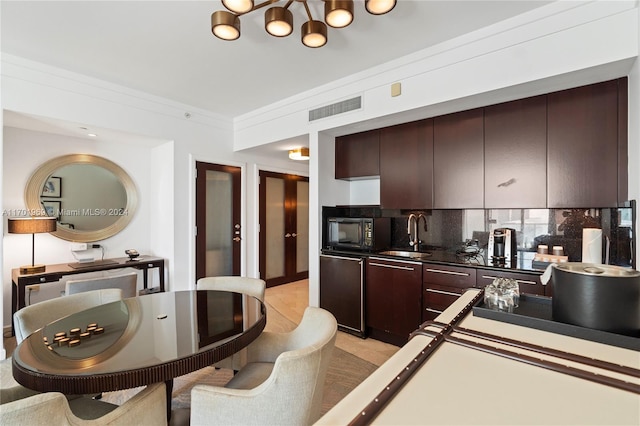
x=162 y=169
x=562 y=45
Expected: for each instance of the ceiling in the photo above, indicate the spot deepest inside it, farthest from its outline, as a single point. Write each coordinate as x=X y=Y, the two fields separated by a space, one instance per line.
x=166 y=48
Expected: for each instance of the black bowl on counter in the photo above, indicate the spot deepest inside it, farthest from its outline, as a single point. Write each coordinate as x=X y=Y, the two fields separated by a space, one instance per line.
x=602 y=297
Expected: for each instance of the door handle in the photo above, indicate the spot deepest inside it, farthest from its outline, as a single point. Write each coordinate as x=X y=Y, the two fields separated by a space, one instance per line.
x=237 y=239
x=287 y=235
x=294 y=235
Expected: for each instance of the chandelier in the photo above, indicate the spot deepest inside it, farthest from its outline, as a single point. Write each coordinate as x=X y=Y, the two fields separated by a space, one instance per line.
x=278 y=21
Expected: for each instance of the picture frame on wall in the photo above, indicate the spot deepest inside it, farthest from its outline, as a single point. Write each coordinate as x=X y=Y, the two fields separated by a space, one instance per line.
x=53 y=187
x=52 y=208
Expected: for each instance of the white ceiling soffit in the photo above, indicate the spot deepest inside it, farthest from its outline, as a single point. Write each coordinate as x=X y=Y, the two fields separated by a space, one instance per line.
x=166 y=48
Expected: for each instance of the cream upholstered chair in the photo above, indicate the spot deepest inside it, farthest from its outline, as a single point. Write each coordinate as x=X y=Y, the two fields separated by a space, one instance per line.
x=126 y=282
x=282 y=383
x=147 y=407
x=33 y=317
x=251 y=286
x=10 y=390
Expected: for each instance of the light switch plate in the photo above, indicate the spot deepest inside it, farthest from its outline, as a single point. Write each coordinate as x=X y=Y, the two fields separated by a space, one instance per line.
x=396 y=89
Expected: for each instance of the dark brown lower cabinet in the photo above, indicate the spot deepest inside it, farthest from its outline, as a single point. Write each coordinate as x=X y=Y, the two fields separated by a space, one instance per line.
x=442 y=285
x=528 y=283
x=342 y=291
x=393 y=299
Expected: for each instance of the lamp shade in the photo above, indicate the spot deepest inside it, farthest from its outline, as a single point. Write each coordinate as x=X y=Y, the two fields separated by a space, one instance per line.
x=225 y=25
x=338 y=13
x=278 y=21
x=31 y=225
x=379 y=7
x=314 y=34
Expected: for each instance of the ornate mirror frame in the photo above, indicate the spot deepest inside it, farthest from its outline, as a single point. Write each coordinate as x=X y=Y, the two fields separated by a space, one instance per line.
x=36 y=182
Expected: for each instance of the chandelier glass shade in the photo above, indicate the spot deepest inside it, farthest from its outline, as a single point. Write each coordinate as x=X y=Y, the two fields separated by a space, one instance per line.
x=278 y=21
x=225 y=25
x=238 y=6
x=338 y=13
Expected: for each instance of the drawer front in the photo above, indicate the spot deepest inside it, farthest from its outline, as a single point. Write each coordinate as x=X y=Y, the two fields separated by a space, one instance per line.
x=36 y=279
x=528 y=283
x=449 y=276
x=440 y=297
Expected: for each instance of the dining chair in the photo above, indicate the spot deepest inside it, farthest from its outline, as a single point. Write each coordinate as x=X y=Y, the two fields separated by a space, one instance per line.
x=282 y=382
x=33 y=317
x=127 y=282
x=250 y=286
x=10 y=389
x=147 y=407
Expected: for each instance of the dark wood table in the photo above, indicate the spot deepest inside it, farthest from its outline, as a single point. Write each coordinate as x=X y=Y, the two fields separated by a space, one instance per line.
x=148 y=339
x=53 y=273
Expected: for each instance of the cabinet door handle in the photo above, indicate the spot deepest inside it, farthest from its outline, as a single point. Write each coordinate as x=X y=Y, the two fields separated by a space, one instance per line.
x=435 y=311
x=330 y=256
x=489 y=277
x=507 y=183
x=448 y=293
x=404 y=268
x=438 y=271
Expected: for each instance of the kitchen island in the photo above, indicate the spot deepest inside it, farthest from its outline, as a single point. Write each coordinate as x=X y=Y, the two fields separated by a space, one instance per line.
x=452 y=372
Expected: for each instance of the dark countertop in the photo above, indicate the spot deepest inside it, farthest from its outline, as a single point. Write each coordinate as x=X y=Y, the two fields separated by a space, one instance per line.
x=445 y=257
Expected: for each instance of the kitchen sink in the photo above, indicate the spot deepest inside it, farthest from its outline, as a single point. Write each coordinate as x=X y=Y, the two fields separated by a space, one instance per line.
x=406 y=253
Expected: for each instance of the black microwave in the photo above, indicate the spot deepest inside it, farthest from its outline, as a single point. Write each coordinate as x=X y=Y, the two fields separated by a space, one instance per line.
x=364 y=234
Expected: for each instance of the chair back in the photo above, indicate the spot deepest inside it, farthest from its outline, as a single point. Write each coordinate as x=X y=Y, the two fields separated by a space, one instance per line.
x=252 y=286
x=300 y=372
x=128 y=283
x=283 y=382
x=33 y=317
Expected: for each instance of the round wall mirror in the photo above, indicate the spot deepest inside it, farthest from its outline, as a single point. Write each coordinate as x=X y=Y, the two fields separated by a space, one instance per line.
x=91 y=197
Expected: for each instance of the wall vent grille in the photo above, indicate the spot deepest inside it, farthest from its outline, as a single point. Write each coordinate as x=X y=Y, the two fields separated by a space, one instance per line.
x=334 y=109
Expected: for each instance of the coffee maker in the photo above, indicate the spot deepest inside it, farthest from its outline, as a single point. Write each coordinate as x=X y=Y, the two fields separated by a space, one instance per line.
x=503 y=248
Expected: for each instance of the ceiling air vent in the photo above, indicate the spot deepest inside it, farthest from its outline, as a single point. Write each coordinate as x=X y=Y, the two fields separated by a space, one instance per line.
x=334 y=109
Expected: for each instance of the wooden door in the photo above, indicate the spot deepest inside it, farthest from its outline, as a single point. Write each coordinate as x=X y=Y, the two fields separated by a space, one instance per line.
x=284 y=228
x=515 y=154
x=357 y=155
x=458 y=160
x=406 y=166
x=583 y=146
x=218 y=195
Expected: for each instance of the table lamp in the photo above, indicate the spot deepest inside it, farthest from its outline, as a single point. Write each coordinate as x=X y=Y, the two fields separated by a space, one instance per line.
x=31 y=225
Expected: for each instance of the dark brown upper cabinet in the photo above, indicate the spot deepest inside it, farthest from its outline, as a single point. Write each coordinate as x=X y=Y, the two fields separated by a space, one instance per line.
x=515 y=154
x=406 y=166
x=458 y=152
x=583 y=146
x=357 y=155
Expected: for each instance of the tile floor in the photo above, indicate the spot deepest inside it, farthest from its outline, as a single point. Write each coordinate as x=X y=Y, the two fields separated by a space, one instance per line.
x=291 y=300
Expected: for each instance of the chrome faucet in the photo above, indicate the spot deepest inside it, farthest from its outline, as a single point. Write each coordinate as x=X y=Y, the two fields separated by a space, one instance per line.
x=414 y=240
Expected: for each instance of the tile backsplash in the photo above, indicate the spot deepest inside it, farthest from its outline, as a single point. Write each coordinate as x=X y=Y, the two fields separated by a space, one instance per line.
x=450 y=229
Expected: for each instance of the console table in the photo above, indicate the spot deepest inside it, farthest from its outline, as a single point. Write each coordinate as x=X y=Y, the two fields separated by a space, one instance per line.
x=54 y=273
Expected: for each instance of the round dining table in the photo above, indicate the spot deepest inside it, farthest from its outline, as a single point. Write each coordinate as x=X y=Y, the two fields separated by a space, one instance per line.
x=138 y=341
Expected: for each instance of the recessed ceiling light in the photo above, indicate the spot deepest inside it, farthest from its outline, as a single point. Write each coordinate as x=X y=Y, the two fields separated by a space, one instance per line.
x=93 y=135
x=299 y=154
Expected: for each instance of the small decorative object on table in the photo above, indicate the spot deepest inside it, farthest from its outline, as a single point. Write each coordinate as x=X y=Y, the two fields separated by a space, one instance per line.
x=132 y=253
x=503 y=294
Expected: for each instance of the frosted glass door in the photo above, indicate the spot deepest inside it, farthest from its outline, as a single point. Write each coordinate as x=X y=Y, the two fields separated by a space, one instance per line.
x=218 y=220
x=284 y=228
x=275 y=228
